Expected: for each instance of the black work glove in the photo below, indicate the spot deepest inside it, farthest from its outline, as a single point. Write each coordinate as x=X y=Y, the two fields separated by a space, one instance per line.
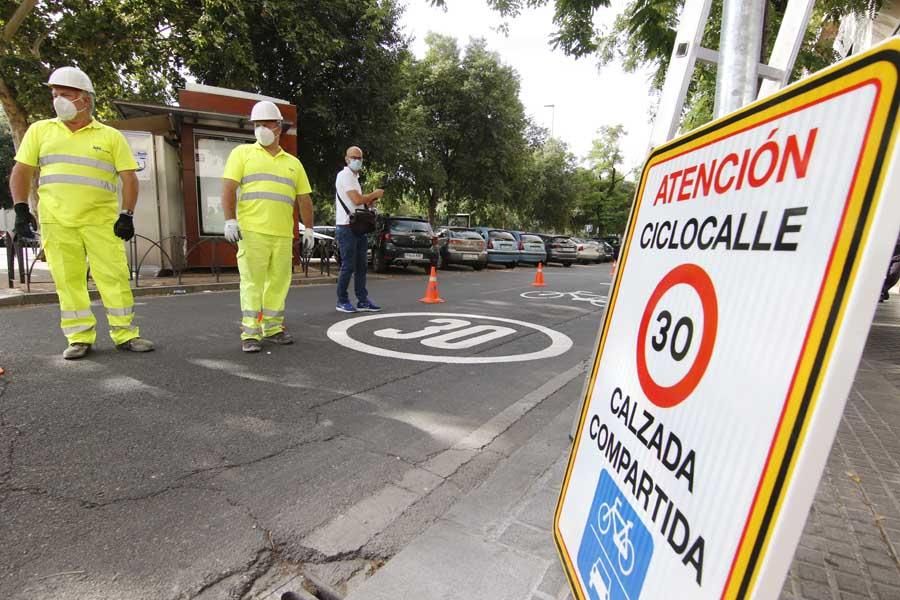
x=22 y=227
x=124 y=227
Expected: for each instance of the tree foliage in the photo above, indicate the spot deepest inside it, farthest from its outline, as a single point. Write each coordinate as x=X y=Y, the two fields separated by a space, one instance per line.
x=643 y=35
x=125 y=45
x=6 y=162
x=339 y=61
x=463 y=127
x=443 y=134
x=573 y=19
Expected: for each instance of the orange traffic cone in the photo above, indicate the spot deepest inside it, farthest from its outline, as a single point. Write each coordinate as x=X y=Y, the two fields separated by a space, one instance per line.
x=431 y=292
x=539 y=276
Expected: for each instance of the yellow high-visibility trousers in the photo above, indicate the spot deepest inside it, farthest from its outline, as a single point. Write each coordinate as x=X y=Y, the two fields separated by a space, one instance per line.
x=264 y=262
x=69 y=250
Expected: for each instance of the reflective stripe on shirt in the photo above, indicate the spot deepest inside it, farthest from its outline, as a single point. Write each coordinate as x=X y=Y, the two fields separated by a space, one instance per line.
x=78 y=160
x=78 y=180
x=267 y=196
x=267 y=177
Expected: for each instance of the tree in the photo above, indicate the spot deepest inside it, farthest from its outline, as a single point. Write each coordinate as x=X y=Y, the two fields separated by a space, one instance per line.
x=339 y=61
x=644 y=35
x=609 y=201
x=551 y=191
x=121 y=44
x=6 y=162
x=463 y=128
x=574 y=33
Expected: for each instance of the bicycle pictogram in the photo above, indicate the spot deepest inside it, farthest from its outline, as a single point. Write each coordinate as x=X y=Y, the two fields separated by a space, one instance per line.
x=576 y=296
x=610 y=515
x=616 y=547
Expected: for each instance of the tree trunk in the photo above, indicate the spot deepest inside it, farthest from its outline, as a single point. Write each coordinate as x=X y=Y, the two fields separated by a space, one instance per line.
x=433 y=198
x=15 y=112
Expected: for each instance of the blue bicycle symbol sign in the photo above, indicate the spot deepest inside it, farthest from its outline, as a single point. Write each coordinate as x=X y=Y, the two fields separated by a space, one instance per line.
x=611 y=516
x=616 y=547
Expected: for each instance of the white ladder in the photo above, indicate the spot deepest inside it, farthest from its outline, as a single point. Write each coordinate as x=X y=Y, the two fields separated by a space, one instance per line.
x=688 y=50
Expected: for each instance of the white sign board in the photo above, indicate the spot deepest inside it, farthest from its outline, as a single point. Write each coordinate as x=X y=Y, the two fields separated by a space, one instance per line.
x=755 y=253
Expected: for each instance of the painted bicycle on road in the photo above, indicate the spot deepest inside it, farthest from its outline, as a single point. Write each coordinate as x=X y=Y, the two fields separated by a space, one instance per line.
x=577 y=296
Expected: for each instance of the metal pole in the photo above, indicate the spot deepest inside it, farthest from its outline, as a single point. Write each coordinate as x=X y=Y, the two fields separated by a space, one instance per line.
x=739 y=51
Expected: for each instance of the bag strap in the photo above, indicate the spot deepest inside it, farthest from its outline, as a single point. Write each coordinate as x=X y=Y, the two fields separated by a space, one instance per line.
x=347 y=210
x=338 y=198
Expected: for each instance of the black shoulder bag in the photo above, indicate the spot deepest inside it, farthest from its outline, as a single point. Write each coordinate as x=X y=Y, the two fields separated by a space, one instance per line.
x=362 y=220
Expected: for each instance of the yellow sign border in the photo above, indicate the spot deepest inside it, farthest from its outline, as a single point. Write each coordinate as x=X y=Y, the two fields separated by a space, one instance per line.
x=880 y=66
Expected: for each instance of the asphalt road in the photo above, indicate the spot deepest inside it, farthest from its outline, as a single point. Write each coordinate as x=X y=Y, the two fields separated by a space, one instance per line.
x=200 y=472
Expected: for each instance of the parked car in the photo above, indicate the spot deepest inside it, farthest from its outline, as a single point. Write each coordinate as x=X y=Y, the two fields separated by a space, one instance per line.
x=502 y=248
x=608 y=252
x=324 y=237
x=461 y=246
x=587 y=251
x=531 y=248
x=614 y=241
x=326 y=244
x=402 y=241
x=559 y=248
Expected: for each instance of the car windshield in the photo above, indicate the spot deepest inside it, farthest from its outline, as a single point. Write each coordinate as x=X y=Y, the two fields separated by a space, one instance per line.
x=410 y=227
x=532 y=238
x=562 y=240
x=501 y=235
x=467 y=235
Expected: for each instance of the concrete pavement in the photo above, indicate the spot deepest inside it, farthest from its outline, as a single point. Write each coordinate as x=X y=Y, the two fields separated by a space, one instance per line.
x=201 y=472
x=497 y=542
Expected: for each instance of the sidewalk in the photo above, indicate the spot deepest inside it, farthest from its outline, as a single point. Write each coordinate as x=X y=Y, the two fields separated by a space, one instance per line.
x=497 y=542
x=44 y=292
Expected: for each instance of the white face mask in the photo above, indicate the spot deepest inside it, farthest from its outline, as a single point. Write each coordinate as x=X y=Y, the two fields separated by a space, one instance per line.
x=264 y=135
x=356 y=165
x=65 y=108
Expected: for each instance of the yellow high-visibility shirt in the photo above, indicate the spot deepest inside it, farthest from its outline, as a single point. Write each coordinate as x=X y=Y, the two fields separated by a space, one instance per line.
x=79 y=171
x=269 y=185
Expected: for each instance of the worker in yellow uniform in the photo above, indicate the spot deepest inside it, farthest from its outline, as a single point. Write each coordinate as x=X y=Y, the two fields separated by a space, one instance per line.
x=261 y=222
x=80 y=162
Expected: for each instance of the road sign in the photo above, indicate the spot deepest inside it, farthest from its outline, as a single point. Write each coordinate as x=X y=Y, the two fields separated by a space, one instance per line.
x=469 y=337
x=755 y=253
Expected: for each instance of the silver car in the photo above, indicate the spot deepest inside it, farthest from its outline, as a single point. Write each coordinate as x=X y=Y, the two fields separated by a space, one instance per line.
x=587 y=251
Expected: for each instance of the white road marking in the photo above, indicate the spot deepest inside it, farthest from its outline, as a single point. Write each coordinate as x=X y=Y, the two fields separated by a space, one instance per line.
x=339 y=333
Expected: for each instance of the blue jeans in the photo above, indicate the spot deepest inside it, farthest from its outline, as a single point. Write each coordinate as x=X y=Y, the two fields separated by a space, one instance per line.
x=353 y=249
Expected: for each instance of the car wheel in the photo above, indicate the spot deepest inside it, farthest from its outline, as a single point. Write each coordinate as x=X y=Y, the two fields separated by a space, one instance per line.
x=478 y=267
x=510 y=265
x=381 y=264
x=567 y=264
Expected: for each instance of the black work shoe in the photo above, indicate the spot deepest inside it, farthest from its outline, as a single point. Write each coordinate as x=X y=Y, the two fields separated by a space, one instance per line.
x=136 y=345
x=282 y=338
x=251 y=345
x=76 y=351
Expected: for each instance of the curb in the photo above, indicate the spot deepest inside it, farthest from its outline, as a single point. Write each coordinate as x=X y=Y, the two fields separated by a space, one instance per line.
x=37 y=298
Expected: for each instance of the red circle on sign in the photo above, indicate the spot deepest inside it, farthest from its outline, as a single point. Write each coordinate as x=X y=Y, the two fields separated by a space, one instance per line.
x=697 y=278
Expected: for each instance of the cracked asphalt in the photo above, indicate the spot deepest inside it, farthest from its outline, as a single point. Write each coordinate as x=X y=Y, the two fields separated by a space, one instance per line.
x=200 y=472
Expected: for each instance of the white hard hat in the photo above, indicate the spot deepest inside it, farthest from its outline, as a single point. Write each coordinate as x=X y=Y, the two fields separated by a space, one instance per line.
x=265 y=111
x=71 y=77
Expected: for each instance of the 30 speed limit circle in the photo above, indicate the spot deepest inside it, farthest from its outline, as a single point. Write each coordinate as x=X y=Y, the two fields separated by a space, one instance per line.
x=675 y=335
